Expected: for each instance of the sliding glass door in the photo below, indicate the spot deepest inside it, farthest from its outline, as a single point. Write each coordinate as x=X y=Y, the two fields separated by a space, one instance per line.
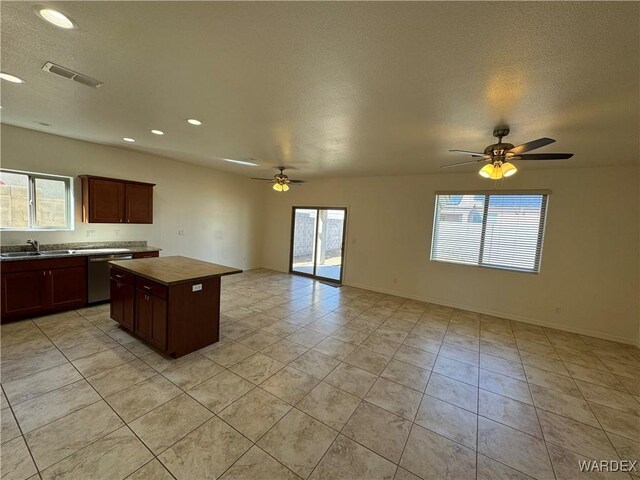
x=317 y=242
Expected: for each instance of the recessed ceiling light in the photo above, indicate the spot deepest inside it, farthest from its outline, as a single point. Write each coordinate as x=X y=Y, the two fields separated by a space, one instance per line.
x=157 y=132
x=56 y=18
x=240 y=162
x=127 y=139
x=10 y=78
x=194 y=121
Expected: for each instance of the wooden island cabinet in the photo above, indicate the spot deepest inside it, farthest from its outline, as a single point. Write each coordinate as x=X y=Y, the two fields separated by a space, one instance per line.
x=171 y=302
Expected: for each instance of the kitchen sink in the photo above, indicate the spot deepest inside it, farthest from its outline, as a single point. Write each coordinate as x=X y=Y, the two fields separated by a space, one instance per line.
x=102 y=250
x=20 y=254
x=57 y=252
x=60 y=253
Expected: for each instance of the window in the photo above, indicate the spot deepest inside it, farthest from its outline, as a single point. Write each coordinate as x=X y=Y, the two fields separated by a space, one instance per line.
x=35 y=201
x=498 y=230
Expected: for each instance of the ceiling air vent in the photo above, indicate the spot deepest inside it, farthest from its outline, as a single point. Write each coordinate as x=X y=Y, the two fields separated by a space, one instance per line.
x=71 y=75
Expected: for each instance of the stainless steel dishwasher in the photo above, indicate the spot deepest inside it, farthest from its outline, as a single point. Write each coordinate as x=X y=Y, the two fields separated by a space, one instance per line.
x=99 y=276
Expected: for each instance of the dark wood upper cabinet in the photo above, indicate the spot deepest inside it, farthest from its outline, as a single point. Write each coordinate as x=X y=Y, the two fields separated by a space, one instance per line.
x=139 y=203
x=113 y=200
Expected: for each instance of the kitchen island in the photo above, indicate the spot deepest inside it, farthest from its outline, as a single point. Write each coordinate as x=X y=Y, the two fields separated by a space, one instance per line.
x=171 y=302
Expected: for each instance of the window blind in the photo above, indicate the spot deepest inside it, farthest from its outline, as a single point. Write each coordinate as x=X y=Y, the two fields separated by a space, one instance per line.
x=490 y=229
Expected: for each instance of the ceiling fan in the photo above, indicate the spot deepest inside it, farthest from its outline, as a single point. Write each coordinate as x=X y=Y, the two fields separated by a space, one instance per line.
x=499 y=155
x=280 y=181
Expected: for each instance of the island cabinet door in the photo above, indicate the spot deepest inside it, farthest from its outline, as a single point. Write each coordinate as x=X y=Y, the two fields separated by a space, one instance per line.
x=122 y=303
x=151 y=319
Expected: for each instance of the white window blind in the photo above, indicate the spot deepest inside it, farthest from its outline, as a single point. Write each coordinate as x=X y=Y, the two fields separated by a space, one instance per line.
x=498 y=230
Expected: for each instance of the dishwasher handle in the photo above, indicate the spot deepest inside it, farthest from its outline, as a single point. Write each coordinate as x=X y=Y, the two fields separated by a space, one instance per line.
x=111 y=257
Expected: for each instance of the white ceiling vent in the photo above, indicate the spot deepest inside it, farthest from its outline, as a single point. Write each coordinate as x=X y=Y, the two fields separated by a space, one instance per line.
x=71 y=75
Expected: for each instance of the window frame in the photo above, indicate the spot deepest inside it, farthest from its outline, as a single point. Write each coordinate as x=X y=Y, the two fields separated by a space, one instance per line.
x=488 y=193
x=31 y=189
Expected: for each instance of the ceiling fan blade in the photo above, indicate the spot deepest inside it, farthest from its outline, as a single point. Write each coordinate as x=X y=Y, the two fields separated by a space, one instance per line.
x=297 y=181
x=545 y=156
x=467 y=152
x=462 y=163
x=527 y=147
x=265 y=179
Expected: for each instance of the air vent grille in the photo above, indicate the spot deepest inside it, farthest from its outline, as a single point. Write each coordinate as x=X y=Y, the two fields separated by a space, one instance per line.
x=71 y=75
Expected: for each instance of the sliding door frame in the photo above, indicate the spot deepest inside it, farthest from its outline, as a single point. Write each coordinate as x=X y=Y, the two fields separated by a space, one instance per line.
x=342 y=249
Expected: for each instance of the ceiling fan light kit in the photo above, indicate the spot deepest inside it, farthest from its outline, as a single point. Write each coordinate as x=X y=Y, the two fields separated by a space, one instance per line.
x=499 y=155
x=280 y=181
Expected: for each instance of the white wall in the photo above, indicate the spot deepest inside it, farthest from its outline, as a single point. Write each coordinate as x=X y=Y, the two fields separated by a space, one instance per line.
x=218 y=212
x=589 y=279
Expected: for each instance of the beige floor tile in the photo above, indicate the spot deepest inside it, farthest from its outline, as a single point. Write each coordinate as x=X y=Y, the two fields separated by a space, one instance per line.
x=329 y=404
x=518 y=415
x=407 y=375
x=259 y=339
x=105 y=360
x=618 y=422
x=135 y=401
x=448 y=420
x=298 y=441
x=290 y=385
x=121 y=377
x=552 y=381
x=350 y=335
x=230 y=354
x=8 y=426
x=110 y=458
x=193 y=372
x=452 y=391
x=514 y=448
x=59 y=439
x=256 y=464
x=562 y=404
x=415 y=356
x=220 y=391
x=502 y=366
x=380 y=345
x=395 y=398
x=34 y=363
x=51 y=406
x=315 y=364
x=566 y=465
x=506 y=386
x=40 y=383
x=4 y=403
x=153 y=470
x=236 y=330
x=402 y=474
x=351 y=379
x=306 y=338
x=461 y=354
x=434 y=457
x=257 y=368
x=281 y=328
x=15 y=461
x=367 y=360
x=422 y=342
x=457 y=370
x=599 y=377
x=255 y=413
x=334 y=348
x=627 y=449
x=206 y=452
x=346 y=459
x=98 y=343
x=631 y=384
x=609 y=397
x=578 y=437
x=168 y=423
x=489 y=469
x=284 y=351
x=378 y=430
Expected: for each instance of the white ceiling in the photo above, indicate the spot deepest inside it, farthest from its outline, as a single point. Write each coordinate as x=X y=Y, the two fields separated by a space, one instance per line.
x=333 y=88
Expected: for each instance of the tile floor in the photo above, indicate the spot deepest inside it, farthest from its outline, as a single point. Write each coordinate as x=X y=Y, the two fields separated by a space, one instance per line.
x=310 y=381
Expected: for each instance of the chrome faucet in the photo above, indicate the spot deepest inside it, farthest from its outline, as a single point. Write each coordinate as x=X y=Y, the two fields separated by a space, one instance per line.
x=35 y=244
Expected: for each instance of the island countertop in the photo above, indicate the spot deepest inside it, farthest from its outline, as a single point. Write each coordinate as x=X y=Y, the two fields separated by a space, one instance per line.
x=172 y=270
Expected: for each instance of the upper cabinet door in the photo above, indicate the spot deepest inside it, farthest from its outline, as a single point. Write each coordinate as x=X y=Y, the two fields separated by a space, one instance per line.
x=139 y=203
x=106 y=201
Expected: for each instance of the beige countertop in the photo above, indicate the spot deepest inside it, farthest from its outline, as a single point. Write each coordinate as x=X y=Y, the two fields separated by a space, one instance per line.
x=171 y=270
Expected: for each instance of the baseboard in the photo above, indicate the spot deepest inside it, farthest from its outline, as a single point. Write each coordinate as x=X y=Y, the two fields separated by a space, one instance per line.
x=495 y=313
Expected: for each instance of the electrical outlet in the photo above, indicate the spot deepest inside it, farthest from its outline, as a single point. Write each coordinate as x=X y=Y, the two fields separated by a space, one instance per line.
x=181 y=232
x=116 y=232
x=91 y=233
x=196 y=288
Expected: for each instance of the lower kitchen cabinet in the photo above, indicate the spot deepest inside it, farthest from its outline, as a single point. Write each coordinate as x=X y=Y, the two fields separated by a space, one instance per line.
x=122 y=303
x=151 y=319
x=38 y=287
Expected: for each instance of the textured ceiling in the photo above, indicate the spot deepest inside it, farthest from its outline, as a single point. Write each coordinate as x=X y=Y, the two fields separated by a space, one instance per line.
x=332 y=88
